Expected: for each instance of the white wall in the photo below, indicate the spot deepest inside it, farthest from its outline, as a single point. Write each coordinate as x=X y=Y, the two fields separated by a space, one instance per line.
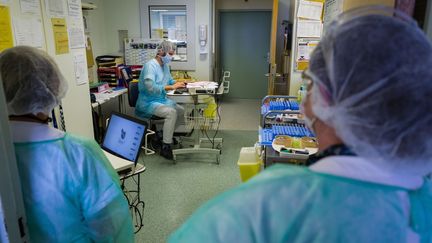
x=76 y=104
x=96 y=27
x=120 y=15
x=203 y=63
x=113 y=15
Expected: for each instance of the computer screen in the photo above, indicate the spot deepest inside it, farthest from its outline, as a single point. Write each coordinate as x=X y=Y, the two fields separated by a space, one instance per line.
x=124 y=136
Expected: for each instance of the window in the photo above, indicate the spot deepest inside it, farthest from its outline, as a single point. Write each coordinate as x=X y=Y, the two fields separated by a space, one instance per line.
x=161 y=19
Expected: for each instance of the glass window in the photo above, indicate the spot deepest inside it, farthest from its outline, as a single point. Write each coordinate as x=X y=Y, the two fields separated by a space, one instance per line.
x=169 y=22
x=175 y=21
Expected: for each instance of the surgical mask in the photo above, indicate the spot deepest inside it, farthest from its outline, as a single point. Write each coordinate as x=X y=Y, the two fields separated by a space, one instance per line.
x=166 y=59
x=308 y=121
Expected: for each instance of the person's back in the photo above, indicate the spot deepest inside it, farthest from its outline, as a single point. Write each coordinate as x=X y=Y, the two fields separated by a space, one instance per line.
x=295 y=204
x=71 y=192
x=368 y=90
x=67 y=185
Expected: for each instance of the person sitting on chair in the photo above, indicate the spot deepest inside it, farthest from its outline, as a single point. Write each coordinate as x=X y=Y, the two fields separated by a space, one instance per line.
x=154 y=82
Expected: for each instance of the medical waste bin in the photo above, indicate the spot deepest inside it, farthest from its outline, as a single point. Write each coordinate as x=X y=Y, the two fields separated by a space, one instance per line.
x=249 y=163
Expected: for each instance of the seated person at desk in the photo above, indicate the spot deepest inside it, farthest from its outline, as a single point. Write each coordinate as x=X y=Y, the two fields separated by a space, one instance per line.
x=71 y=192
x=370 y=182
x=154 y=82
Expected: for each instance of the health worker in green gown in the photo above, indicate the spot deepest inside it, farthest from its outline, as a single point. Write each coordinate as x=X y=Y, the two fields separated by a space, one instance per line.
x=369 y=104
x=71 y=192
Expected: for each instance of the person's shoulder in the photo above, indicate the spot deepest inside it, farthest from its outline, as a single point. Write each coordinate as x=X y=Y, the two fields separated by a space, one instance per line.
x=280 y=173
x=150 y=63
x=273 y=179
x=80 y=145
x=78 y=140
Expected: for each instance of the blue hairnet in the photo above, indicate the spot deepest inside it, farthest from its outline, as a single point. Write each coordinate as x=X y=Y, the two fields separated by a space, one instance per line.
x=373 y=84
x=32 y=81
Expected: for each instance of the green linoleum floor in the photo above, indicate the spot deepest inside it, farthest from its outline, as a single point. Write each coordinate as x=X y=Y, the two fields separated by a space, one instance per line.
x=172 y=192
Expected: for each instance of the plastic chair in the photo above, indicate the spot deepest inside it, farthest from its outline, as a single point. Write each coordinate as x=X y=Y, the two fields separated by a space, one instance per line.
x=133 y=93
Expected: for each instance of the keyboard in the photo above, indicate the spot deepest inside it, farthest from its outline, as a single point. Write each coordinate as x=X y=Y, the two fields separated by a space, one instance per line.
x=181 y=91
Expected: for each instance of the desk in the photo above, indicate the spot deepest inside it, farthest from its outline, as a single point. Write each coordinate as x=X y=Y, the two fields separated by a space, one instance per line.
x=101 y=98
x=195 y=119
x=127 y=171
x=108 y=95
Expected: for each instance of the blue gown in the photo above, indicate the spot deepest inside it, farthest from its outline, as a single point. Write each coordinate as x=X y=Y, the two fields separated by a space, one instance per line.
x=71 y=192
x=152 y=82
x=294 y=204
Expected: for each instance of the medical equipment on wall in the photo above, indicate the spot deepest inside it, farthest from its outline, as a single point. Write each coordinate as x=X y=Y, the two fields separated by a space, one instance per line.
x=203 y=38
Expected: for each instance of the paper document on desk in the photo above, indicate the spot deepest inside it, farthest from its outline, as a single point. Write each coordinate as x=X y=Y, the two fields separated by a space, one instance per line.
x=202 y=85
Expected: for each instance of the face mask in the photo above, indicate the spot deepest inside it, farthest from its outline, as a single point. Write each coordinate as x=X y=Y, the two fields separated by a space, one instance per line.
x=308 y=122
x=166 y=59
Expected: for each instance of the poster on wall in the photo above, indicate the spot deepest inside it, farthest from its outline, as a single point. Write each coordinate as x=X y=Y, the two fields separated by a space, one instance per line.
x=28 y=32
x=30 y=6
x=6 y=39
x=309 y=28
x=61 y=39
x=310 y=10
x=76 y=33
x=74 y=8
x=305 y=47
x=80 y=68
x=55 y=8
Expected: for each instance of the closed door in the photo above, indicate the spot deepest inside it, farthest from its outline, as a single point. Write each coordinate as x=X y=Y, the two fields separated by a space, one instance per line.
x=244 y=43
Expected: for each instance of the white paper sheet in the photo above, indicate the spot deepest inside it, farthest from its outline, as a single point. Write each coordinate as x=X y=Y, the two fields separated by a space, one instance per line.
x=30 y=6
x=305 y=48
x=28 y=32
x=74 y=8
x=310 y=10
x=5 y=2
x=80 y=67
x=76 y=34
x=332 y=9
x=55 y=8
x=202 y=85
x=309 y=28
x=302 y=51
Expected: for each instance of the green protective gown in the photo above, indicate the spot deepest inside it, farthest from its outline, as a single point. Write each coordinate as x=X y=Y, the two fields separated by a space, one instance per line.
x=294 y=204
x=71 y=192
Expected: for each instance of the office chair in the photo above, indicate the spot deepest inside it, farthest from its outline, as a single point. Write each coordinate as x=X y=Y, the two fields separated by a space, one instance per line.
x=133 y=93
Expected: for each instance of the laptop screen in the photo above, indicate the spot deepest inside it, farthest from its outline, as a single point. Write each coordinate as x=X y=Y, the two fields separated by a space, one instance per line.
x=124 y=136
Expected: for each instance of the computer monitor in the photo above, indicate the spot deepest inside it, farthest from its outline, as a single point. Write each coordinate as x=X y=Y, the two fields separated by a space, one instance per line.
x=124 y=136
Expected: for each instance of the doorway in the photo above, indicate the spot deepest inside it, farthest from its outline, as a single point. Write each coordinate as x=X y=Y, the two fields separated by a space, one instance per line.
x=244 y=45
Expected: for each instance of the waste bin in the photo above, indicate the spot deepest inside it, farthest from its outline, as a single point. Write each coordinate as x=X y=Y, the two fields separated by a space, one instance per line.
x=249 y=163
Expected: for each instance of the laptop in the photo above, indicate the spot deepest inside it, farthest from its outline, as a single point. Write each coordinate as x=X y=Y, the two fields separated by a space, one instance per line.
x=123 y=140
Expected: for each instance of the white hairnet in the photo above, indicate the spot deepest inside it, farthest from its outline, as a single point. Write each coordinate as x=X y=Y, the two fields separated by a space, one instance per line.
x=373 y=84
x=32 y=81
x=166 y=46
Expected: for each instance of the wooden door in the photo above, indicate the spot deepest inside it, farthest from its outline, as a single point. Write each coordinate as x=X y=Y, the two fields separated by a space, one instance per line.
x=272 y=54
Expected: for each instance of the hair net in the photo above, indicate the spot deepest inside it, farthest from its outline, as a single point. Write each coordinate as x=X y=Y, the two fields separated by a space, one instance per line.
x=32 y=81
x=373 y=84
x=166 y=46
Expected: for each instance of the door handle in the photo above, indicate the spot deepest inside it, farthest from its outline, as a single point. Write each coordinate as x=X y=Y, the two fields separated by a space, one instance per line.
x=276 y=74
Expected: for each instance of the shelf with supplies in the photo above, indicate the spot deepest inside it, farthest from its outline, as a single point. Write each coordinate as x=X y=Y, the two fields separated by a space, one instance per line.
x=283 y=136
